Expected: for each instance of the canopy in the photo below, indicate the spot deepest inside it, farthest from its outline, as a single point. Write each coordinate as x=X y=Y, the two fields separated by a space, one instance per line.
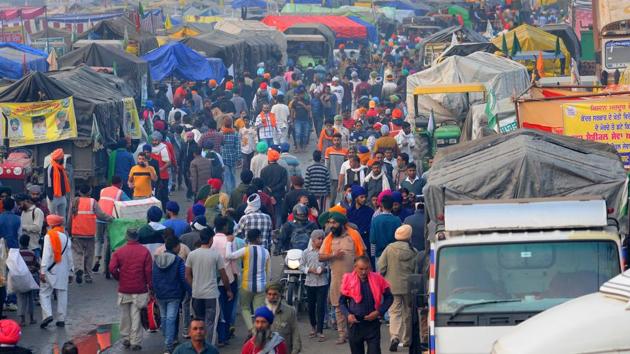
x=115 y=29
x=418 y=8
x=465 y=49
x=569 y=37
x=217 y=44
x=524 y=164
x=372 y=33
x=128 y=66
x=533 y=39
x=502 y=76
x=466 y=35
x=255 y=29
x=178 y=60
x=95 y=98
x=24 y=13
x=16 y=59
x=343 y=27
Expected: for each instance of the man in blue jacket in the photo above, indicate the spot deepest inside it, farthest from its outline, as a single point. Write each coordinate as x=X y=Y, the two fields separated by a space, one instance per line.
x=169 y=286
x=383 y=227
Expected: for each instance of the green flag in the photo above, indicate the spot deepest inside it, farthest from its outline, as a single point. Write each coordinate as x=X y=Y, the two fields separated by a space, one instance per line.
x=516 y=45
x=491 y=111
x=115 y=68
x=557 y=52
x=140 y=9
x=504 y=47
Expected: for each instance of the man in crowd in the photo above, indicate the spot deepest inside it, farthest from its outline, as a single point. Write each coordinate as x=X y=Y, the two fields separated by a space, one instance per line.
x=412 y=183
x=56 y=269
x=260 y=160
x=57 y=184
x=360 y=214
x=200 y=171
x=172 y=221
x=141 y=177
x=203 y=267
x=335 y=156
x=266 y=124
x=276 y=178
x=376 y=181
x=317 y=179
x=237 y=195
x=285 y=318
x=120 y=163
x=263 y=338
x=383 y=227
x=197 y=343
x=131 y=265
x=399 y=260
x=365 y=298
x=231 y=153
x=31 y=222
x=108 y=197
x=254 y=218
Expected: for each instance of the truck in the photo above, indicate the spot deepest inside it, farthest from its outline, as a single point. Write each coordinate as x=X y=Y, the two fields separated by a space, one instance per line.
x=602 y=315
x=612 y=34
x=515 y=225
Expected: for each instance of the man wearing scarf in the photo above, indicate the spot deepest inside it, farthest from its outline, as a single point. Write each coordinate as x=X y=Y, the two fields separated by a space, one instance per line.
x=365 y=298
x=55 y=271
x=266 y=124
x=339 y=248
x=359 y=213
x=263 y=339
x=376 y=181
x=255 y=219
x=57 y=184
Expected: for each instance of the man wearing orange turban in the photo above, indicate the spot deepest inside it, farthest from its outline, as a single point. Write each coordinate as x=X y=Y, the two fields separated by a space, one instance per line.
x=56 y=271
x=276 y=178
x=57 y=184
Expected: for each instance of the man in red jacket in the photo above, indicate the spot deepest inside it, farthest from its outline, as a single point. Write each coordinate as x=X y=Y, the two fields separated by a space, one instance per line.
x=263 y=340
x=131 y=266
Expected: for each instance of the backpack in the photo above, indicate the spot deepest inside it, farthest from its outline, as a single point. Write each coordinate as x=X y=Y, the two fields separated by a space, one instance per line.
x=300 y=237
x=217 y=165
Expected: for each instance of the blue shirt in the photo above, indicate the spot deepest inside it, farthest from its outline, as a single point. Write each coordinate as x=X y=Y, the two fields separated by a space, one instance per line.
x=10 y=228
x=179 y=226
x=382 y=231
x=123 y=164
x=187 y=348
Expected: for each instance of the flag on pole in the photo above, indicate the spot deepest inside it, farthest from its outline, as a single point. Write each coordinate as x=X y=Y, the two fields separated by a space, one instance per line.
x=491 y=111
x=504 y=47
x=115 y=68
x=516 y=45
x=140 y=9
x=557 y=52
x=167 y=23
x=25 y=69
x=575 y=73
x=431 y=124
x=540 y=65
x=126 y=39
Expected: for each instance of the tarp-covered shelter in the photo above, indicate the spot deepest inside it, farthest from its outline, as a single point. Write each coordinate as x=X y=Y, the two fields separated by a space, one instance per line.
x=115 y=29
x=189 y=30
x=52 y=32
x=18 y=59
x=237 y=4
x=343 y=27
x=503 y=76
x=95 y=98
x=252 y=28
x=315 y=29
x=129 y=67
x=432 y=46
x=569 y=37
x=178 y=60
x=372 y=32
x=525 y=164
x=216 y=44
x=533 y=39
x=419 y=8
x=465 y=49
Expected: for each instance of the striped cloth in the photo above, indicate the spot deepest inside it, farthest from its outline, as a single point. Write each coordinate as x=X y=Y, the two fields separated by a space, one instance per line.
x=256 y=266
x=317 y=180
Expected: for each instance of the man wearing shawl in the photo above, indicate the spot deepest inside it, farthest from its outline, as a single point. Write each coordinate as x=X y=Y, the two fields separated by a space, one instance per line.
x=56 y=271
x=365 y=298
x=339 y=248
x=57 y=184
x=360 y=213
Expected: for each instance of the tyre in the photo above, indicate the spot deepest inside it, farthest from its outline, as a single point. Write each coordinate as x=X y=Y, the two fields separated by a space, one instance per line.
x=291 y=292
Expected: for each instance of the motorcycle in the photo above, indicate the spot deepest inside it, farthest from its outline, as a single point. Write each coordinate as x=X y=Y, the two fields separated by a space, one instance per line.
x=293 y=280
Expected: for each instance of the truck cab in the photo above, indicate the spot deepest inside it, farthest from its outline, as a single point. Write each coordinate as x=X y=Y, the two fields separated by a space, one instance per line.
x=497 y=263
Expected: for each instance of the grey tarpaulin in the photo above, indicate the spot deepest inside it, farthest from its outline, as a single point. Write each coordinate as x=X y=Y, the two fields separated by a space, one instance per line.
x=504 y=76
x=525 y=164
x=115 y=29
x=128 y=66
x=445 y=36
x=217 y=44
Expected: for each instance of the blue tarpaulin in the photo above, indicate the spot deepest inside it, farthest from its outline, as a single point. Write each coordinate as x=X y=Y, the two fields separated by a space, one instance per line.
x=13 y=58
x=180 y=61
x=237 y=4
x=372 y=34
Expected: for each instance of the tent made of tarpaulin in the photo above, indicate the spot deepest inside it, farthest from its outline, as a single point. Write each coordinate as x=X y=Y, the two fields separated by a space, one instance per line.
x=54 y=33
x=216 y=44
x=372 y=32
x=95 y=98
x=22 y=13
x=177 y=60
x=115 y=29
x=255 y=29
x=503 y=76
x=237 y=4
x=18 y=59
x=569 y=37
x=261 y=49
x=524 y=164
x=533 y=39
x=465 y=49
x=443 y=38
x=129 y=67
x=189 y=30
x=343 y=27
x=315 y=28
x=367 y=13
x=419 y=9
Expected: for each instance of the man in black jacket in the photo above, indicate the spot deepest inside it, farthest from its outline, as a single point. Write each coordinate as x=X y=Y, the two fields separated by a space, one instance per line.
x=276 y=178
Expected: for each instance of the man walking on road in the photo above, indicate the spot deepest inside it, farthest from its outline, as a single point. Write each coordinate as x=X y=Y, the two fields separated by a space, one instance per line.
x=264 y=340
x=365 y=297
x=197 y=344
x=56 y=271
x=285 y=318
x=398 y=261
x=57 y=184
x=108 y=196
x=203 y=267
x=131 y=266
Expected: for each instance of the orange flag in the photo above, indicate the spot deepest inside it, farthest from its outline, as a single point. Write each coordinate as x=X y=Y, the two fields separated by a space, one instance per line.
x=540 y=67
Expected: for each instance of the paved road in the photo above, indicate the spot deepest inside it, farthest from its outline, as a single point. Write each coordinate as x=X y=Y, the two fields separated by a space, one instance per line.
x=92 y=308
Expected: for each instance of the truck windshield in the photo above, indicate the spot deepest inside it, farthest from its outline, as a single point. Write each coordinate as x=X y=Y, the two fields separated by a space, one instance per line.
x=534 y=276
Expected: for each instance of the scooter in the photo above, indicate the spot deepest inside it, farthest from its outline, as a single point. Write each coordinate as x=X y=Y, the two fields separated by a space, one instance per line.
x=293 y=279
